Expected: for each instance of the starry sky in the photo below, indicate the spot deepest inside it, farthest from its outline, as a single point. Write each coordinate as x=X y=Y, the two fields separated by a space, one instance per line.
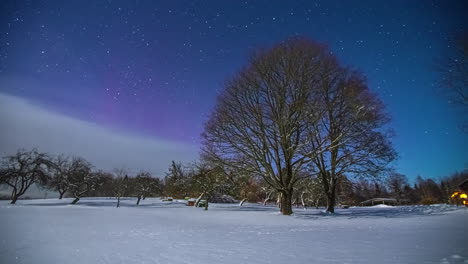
x=151 y=70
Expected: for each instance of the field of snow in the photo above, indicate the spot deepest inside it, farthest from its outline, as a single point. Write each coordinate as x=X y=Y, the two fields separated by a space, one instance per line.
x=94 y=231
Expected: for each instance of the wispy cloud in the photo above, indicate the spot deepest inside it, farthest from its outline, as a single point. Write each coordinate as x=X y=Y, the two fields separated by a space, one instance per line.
x=26 y=125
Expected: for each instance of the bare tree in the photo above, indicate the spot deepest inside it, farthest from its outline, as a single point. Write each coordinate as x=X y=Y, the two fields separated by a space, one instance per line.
x=176 y=181
x=206 y=180
x=429 y=191
x=145 y=185
x=352 y=129
x=268 y=191
x=81 y=178
x=104 y=187
x=259 y=124
x=60 y=170
x=23 y=169
x=310 y=191
x=396 y=182
x=238 y=184
x=119 y=184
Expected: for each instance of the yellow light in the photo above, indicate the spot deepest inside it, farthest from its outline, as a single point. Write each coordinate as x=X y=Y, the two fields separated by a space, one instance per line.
x=454 y=195
x=463 y=196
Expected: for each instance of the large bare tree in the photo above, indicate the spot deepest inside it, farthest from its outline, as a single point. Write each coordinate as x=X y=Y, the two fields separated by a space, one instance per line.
x=353 y=128
x=23 y=169
x=294 y=108
x=259 y=125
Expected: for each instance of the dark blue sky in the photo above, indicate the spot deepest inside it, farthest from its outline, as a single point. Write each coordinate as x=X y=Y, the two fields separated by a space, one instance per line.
x=154 y=68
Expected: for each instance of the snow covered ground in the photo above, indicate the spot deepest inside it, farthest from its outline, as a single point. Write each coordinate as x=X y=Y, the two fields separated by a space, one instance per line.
x=94 y=231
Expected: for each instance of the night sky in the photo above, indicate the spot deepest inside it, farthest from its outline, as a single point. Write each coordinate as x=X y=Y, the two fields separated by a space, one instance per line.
x=151 y=70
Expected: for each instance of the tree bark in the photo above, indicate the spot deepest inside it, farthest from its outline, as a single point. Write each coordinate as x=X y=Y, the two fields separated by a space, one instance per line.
x=118 y=202
x=61 y=195
x=286 y=202
x=76 y=200
x=14 y=199
x=138 y=200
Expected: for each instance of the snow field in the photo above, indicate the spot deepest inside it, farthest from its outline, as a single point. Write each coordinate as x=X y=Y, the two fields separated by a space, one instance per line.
x=94 y=231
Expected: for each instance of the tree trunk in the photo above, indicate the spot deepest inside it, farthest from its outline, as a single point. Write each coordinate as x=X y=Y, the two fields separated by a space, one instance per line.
x=286 y=203
x=138 y=200
x=329 y=184
x=61 y=195
x=14 y=195
x=118 y=202
x=267 y=199
x=76 y=200
x=302 y=200
x=198 y=199
x=242 y=202
x=331 y=200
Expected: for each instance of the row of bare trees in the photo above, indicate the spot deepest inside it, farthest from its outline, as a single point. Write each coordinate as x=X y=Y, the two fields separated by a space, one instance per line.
x=74 y=176
x=201 y=180
x=293 y=113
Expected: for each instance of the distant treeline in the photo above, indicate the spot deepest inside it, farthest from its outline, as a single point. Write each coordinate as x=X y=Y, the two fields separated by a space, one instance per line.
x=76 y=177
